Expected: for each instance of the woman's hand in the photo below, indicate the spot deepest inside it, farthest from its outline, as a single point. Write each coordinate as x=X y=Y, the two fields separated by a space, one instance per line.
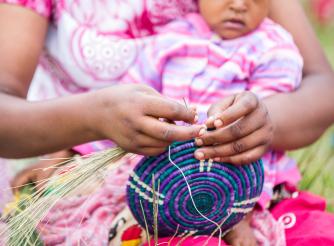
x=242 y=131
x=131 y=115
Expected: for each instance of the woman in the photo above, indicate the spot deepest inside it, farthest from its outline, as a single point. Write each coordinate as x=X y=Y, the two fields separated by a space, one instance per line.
x=71 y=126
x=25 y=129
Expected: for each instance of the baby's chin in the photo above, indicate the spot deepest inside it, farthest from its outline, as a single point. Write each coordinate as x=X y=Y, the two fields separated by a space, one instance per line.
x=233 y=34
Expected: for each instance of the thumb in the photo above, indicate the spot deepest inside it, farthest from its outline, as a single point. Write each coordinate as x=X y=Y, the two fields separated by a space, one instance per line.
x=216 y=110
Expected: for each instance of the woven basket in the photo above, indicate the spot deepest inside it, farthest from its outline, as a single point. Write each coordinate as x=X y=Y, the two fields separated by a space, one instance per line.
x=222 y=192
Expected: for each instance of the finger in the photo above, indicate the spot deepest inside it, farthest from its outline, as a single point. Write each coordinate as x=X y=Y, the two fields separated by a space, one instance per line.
x=251 y=141
x=143 y=141
x=160 y=107
x=216 y=109
x=168 y=132
x=167 y=121
x=246 y=157
x=243 y=105
x=151 y=151
x=220 y=106
x=237 y=130
x=141 y=144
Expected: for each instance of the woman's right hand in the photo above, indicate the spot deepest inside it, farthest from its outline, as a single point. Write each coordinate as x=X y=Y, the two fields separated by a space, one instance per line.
x=131 y=116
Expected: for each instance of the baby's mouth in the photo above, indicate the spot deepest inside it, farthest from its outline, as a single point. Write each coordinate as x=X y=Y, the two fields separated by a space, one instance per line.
x=236 y=24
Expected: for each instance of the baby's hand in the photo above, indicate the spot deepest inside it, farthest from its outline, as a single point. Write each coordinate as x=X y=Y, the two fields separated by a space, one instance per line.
x=242 y=130
x=41 y=172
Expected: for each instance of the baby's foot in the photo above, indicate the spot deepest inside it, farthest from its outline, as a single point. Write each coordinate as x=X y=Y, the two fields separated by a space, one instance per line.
x=241 y=234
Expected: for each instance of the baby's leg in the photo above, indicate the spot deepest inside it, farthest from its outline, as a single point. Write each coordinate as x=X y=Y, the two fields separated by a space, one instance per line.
x=241 y=234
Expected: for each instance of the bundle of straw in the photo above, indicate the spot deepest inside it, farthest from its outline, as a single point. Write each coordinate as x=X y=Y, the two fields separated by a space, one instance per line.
x=21 y=227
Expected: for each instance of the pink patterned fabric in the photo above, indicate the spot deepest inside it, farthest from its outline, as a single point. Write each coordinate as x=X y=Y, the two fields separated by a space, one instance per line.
x=190 y=241
x=305 y=220
x=267 y=231
x=86 y=219
x=42 y=7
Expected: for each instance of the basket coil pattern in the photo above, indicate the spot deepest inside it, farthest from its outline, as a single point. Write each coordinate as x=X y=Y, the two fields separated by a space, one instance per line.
x=221 y=191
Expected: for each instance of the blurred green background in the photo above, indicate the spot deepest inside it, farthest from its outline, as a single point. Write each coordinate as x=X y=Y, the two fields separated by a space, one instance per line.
x=317 y=161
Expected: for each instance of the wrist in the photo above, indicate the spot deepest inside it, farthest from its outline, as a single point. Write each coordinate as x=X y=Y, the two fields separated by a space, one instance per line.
x=100 y=112
x=91 y=116
x=274 y=121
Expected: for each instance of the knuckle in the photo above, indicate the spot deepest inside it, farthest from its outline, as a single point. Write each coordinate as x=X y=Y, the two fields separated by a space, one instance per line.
x=264 y=112
x=209 y=139
x=250 y=101
x=271 y=130
x=135 y=144
x=175 y=110
x=246 y=159
x=166 y=133
x=265 y=141
x=268 y=130
x=214 y=109
x=133 y=140
x=237 y=147
x=215 y=151
x=236 y=130
x=192 y=133
x=128 y=122
x=152 y=152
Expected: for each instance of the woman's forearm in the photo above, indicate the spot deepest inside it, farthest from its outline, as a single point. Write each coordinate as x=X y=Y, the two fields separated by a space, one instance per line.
x=302 y=116
x=34 y=128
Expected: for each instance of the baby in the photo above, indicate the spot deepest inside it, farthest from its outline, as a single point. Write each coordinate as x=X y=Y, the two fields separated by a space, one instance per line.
x=229 y=47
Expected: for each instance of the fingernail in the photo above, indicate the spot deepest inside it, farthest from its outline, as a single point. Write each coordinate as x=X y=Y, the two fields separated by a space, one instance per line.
x=202 y=132
x=218 y=123
x=217 y=159
x=211 y=118
x=199 y=155
x=199 y=142
x=196 y=118
x=193 y=108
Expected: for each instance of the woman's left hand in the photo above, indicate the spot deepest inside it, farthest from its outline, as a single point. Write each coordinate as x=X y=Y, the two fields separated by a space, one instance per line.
x=242 y=130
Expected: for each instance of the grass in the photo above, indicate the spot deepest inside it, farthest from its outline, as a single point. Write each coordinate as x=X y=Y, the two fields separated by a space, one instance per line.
x=316 y=164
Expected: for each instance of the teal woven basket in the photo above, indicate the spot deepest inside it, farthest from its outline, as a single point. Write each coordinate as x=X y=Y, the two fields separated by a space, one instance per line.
x=222 y=192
